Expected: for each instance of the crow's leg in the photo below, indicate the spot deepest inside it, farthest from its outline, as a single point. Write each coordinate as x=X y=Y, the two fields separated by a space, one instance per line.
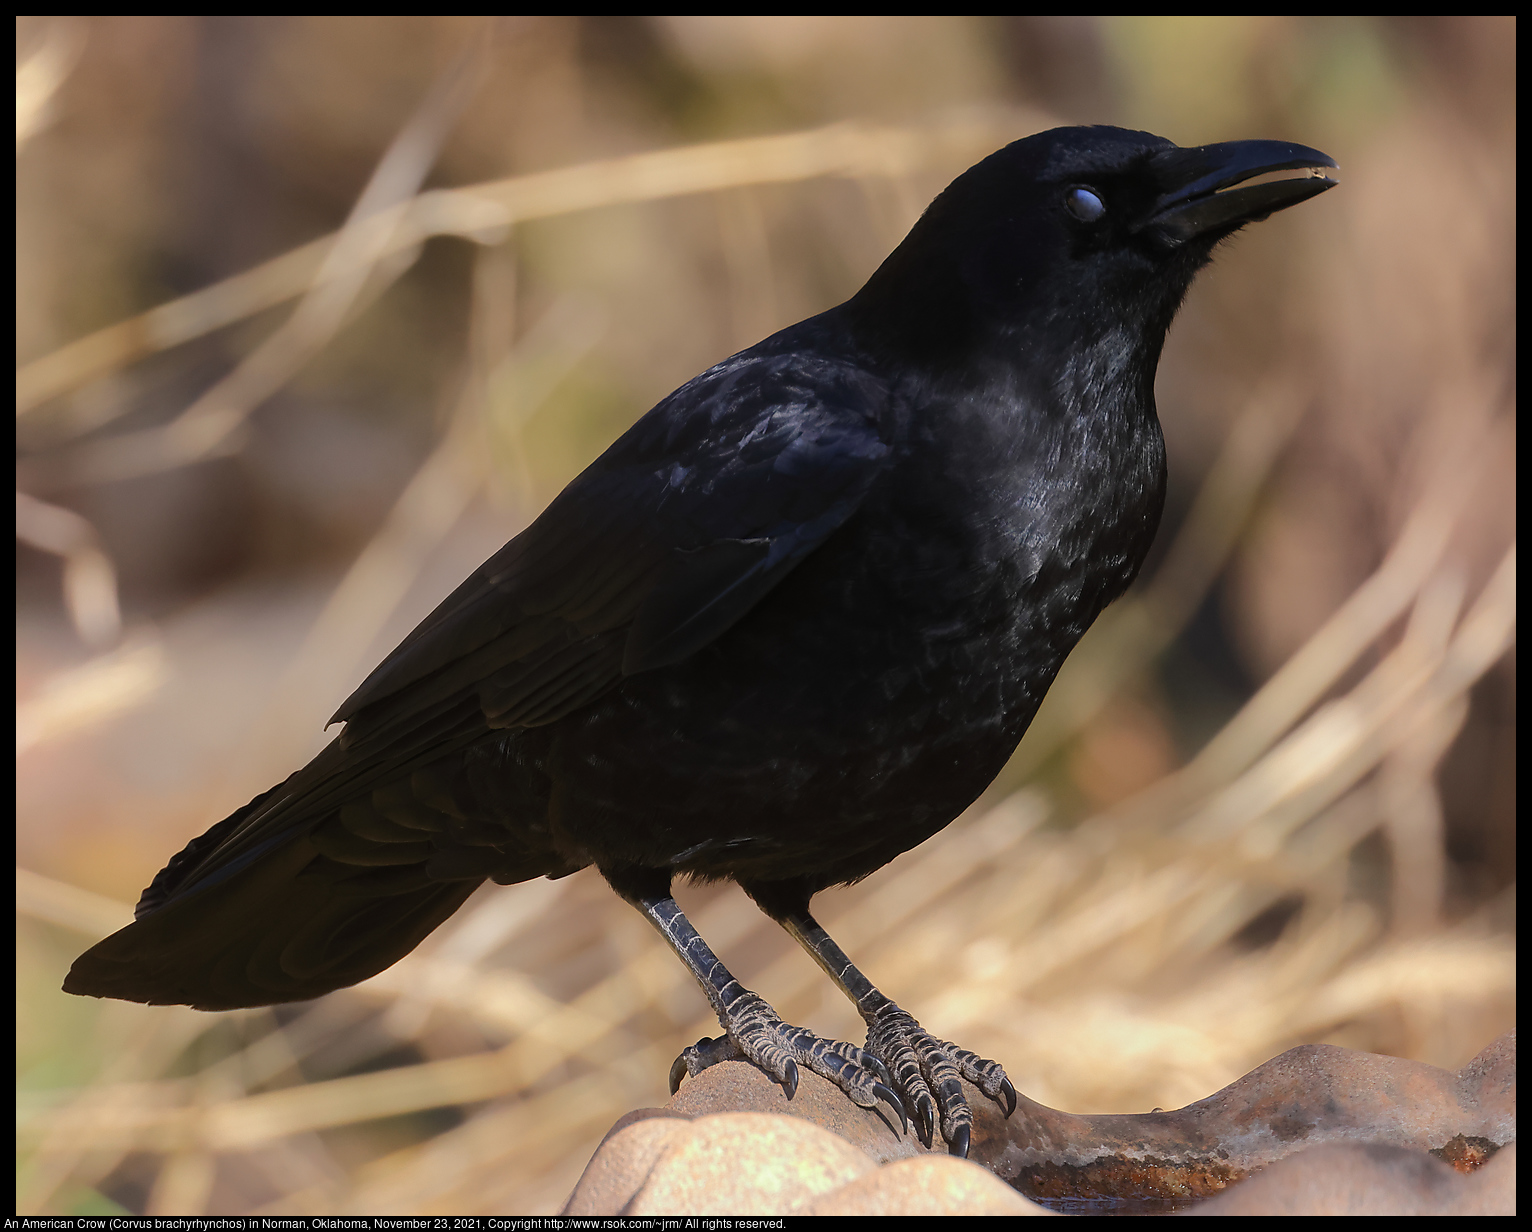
x=752 y=1030
x=925 y=1068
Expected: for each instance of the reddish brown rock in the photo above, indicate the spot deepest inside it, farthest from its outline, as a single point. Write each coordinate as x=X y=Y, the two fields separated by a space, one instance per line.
x=1308 y=1096
x=1269 y=1122
x=1370 y=1178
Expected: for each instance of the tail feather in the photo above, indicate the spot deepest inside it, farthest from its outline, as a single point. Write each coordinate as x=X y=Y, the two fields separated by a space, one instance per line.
x=266 y=936
x=323 y=881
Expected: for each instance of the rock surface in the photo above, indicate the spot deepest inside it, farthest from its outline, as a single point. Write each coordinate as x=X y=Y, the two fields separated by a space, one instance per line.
x=761 y=1163
x=1318 y=1129
x=1363 y=1178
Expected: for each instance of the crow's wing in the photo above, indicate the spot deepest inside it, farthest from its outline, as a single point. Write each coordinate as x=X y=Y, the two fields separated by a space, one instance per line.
x=667 y=540
x=657 y=549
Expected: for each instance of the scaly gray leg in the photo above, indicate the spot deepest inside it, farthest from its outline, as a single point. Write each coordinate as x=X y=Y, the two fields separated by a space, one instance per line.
x=925 y=1068
x=752 y=1029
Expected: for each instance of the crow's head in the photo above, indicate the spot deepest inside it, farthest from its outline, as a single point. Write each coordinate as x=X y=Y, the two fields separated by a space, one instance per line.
x=1071 y=237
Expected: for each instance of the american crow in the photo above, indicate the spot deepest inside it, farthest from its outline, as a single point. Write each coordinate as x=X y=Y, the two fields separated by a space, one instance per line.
x=790 y=625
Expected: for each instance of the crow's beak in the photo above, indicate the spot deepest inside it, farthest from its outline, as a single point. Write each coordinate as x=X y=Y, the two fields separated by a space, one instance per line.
x=1196 y=185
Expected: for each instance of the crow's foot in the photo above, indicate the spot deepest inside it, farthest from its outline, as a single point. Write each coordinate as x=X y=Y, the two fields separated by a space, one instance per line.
x=926 y=1072
x=754 y=1033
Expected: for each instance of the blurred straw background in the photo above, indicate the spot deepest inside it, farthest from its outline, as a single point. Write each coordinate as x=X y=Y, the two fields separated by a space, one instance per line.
x=313 y=313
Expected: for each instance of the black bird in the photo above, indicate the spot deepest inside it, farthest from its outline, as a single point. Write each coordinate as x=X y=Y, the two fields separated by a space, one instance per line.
x=790 y=625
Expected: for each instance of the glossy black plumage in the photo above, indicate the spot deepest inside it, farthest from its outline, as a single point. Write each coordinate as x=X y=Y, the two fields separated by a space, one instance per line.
x=787 y=627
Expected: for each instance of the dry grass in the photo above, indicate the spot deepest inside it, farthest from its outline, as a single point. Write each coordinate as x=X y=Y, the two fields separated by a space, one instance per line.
x=1115 y=962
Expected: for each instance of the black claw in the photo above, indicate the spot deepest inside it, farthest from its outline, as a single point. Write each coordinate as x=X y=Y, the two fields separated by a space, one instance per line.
x=875 y=1064
x=678 y=1071
x=959 y=1144
x=886 y=1094
x=790 y=1078
x=927 y=1126
x=1009 y=1092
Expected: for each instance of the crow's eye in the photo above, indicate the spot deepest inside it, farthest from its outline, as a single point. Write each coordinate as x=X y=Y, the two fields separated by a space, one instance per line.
x=1084 y=204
